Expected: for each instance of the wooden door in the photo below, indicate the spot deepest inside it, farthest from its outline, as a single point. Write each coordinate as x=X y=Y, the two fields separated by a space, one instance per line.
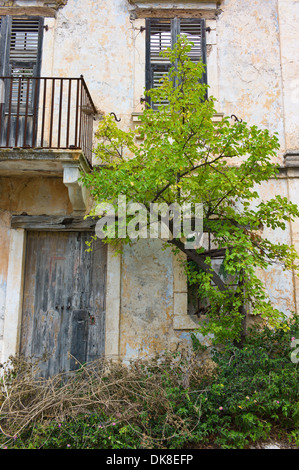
x=63 y=319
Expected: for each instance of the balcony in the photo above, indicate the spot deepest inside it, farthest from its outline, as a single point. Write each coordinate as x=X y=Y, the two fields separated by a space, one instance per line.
x=46 y=129
x=46 y=114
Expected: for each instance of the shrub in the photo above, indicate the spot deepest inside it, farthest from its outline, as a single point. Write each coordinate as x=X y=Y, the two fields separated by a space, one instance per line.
x=228 y=398
x=256 y=390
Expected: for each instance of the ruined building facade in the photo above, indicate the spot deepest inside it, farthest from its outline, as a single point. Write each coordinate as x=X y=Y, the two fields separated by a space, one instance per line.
x=63 y=64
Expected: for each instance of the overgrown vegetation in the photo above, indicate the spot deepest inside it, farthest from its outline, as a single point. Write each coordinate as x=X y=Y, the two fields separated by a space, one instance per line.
x=180 y=155
x=225 y=397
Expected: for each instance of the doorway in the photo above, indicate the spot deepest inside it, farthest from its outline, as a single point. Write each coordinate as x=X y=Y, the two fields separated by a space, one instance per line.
x=63 y=319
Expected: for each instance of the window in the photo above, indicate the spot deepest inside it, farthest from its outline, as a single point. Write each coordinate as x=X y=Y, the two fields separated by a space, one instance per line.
x=20 y=47
x=162 y=34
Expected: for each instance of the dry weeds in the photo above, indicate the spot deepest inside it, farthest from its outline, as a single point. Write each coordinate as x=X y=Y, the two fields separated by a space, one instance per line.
x=118 y=390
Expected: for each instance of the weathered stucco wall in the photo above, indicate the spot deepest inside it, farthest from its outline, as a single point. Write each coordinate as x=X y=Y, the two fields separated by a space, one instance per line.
x=248 y=59
x=250 y=81
x=279 y=284
x=253 y=70
x=288 y=11
x=94 y=38
x=34 y=196
x=4 y=252
x=151 y=301
x=288 y=22
x=146 y=299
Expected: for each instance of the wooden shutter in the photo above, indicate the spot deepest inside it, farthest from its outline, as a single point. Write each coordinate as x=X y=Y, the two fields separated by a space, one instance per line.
x=24 y=57
x=4 y=38
x=162 y=34
x=20 y=57
x=159 y=38
x=24 y=48
x=21 y=43
x=195 y=31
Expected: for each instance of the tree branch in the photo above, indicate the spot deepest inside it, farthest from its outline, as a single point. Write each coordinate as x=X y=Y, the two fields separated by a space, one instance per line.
x=197 y=258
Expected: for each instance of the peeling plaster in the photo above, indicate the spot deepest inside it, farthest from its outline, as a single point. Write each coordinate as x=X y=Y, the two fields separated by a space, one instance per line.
x=249 y=63
x=253 y=66
x=35 y=196
x=4 y=253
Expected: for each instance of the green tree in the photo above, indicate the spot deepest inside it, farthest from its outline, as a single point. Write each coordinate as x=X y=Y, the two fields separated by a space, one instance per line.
x=179 y=154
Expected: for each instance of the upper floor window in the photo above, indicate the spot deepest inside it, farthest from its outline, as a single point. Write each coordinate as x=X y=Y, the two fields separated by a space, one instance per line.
x=162 y=34
x=20 y=45
x=20 y=48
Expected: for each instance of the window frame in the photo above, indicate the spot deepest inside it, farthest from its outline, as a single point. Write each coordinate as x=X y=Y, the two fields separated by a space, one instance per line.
x=175 y=29
x=7 y=63
x=5 y=41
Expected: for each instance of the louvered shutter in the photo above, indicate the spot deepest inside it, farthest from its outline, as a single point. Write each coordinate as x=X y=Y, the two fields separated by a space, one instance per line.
x=24 y=57
x=159 y=38
x=2 y=92
x=162 y=34
x=195 y=31
x=3 y=44
x=24 y=46
x=21 y=42
x=20 y=57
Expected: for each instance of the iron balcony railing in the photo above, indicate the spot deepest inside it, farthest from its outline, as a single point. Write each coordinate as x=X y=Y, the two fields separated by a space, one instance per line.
x=46 y=113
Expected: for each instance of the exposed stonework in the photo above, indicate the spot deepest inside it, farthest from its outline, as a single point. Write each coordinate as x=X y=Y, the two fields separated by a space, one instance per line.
x=170 y=4
x=171 y=9
x=56 y=4
x=291 y=158
x=45 y=8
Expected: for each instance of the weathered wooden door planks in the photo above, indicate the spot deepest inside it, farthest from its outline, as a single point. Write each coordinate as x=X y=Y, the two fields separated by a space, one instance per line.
x=63 y=318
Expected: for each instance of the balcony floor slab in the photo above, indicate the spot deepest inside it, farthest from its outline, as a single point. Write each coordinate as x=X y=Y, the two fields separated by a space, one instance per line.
x=39 y=162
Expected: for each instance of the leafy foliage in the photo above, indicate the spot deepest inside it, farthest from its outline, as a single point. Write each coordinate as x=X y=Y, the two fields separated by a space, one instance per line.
x=179 y=154
x=228 y=398
x=257 y=388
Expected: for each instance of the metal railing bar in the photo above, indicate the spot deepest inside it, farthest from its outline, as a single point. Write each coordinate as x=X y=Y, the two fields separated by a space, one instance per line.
x=35 y=110
x=44 y=112
x=9 y=115
x=18 y=112
x=68 y=113
x=52 y=112
x=60 y=111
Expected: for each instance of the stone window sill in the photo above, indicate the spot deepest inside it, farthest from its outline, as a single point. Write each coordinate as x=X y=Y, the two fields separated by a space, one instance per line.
x=170 y=9
x=135 y=116
x=177 y=4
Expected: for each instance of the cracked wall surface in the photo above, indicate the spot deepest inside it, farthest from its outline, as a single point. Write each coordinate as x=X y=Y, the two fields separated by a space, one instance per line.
x=253 y=70
x=250 y=81
x=4 y=244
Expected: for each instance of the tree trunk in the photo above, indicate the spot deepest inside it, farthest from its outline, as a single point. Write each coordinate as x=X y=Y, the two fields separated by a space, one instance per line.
x=199 y=260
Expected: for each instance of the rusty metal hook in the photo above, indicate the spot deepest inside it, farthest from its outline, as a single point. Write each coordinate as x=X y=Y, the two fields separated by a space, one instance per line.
x=236 y=119
x=115 y=117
